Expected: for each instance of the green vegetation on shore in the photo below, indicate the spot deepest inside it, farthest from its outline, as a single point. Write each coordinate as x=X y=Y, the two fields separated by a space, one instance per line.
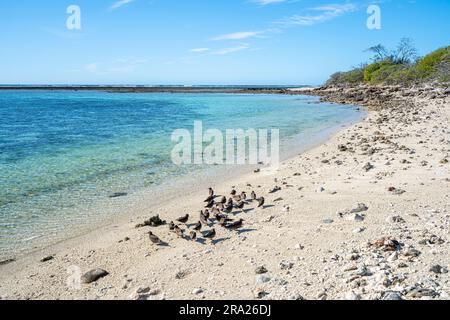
x=400 y=66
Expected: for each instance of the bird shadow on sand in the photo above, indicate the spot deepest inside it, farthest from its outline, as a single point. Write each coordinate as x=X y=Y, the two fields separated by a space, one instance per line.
x=163 y=245
x=268 y=206
x=236 y=212
x=201 y=241
x=214 y=242
x=241 y=231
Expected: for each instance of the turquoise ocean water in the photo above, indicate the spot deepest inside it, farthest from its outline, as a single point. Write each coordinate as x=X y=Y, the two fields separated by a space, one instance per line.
x=64 y=152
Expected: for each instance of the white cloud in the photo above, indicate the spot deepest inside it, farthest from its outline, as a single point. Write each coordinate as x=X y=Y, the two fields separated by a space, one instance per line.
x=238 y=35
x=122 y=65
x=119 y=4
x=199 y=50
x=325 y=13
x=231 y=50
x=266 y=2
x=92 y=67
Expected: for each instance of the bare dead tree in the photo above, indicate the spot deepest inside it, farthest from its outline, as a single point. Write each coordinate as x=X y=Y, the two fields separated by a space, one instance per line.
x=406 y=52
x=380 y=52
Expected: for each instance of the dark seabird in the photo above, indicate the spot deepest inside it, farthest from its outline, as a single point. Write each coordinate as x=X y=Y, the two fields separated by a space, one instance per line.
x=154 y=238
x=223 y=200
x=183 y=219
x=220 y=205
x=198 y=226
x=240 y=205
x=261 y=202
x=243 y=196
x=220 y=216
x=210 y=234
x=237 y=199
x=211 y=192
x=235 y=225
x=203 y=219
x=193 y=235
x=229 y=207
x=179 y=231
x=210 y=204
x=171 y=226
x=253 y=195
x=233 y=192
x=223 y=220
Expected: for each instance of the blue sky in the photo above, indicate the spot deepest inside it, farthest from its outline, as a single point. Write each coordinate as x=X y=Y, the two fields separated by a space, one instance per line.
x=204 y=41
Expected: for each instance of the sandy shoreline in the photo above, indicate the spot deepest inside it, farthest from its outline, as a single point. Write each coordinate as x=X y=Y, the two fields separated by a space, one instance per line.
x=308 y=249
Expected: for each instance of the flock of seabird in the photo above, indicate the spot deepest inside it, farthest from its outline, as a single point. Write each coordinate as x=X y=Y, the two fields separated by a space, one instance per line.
x=214 y=212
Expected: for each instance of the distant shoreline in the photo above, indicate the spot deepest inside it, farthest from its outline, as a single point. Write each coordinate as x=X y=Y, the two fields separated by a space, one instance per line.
x=166 y=89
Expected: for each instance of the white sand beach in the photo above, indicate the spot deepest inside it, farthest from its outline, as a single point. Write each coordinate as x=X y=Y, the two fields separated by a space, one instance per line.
x=365 y=215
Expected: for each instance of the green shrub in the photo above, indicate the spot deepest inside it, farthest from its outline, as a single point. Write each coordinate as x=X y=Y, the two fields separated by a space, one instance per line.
x=350 y=77
x=427 y=66
x=395 y=74
x=369 y=70
x=385 y=74
x=375 y=68
x=433 y=67
x=443 y=71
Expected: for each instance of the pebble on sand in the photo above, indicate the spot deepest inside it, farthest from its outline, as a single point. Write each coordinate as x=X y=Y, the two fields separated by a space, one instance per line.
x=48 y=258
x=263 y=278
x=93 y=275
x=197 y=291
x=261 y=270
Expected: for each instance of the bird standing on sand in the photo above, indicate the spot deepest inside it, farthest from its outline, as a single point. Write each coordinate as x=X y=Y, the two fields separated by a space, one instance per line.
x=154 y=238
x=240 y=205
x=211 y=192
x=193 y=235
x=243 y=196
x=222 y=221
x=220 y=216
x=235 y=225
x=237 y=198
x=233 y=192
x=229 y=207
x=253 y=195
x=223 y=200
x=210 y=234
x=210 y=204
x=261 y=202
x=171 y=226
x=183 y=219
x=179 y=231
x=198 y=226
x=203 y=219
